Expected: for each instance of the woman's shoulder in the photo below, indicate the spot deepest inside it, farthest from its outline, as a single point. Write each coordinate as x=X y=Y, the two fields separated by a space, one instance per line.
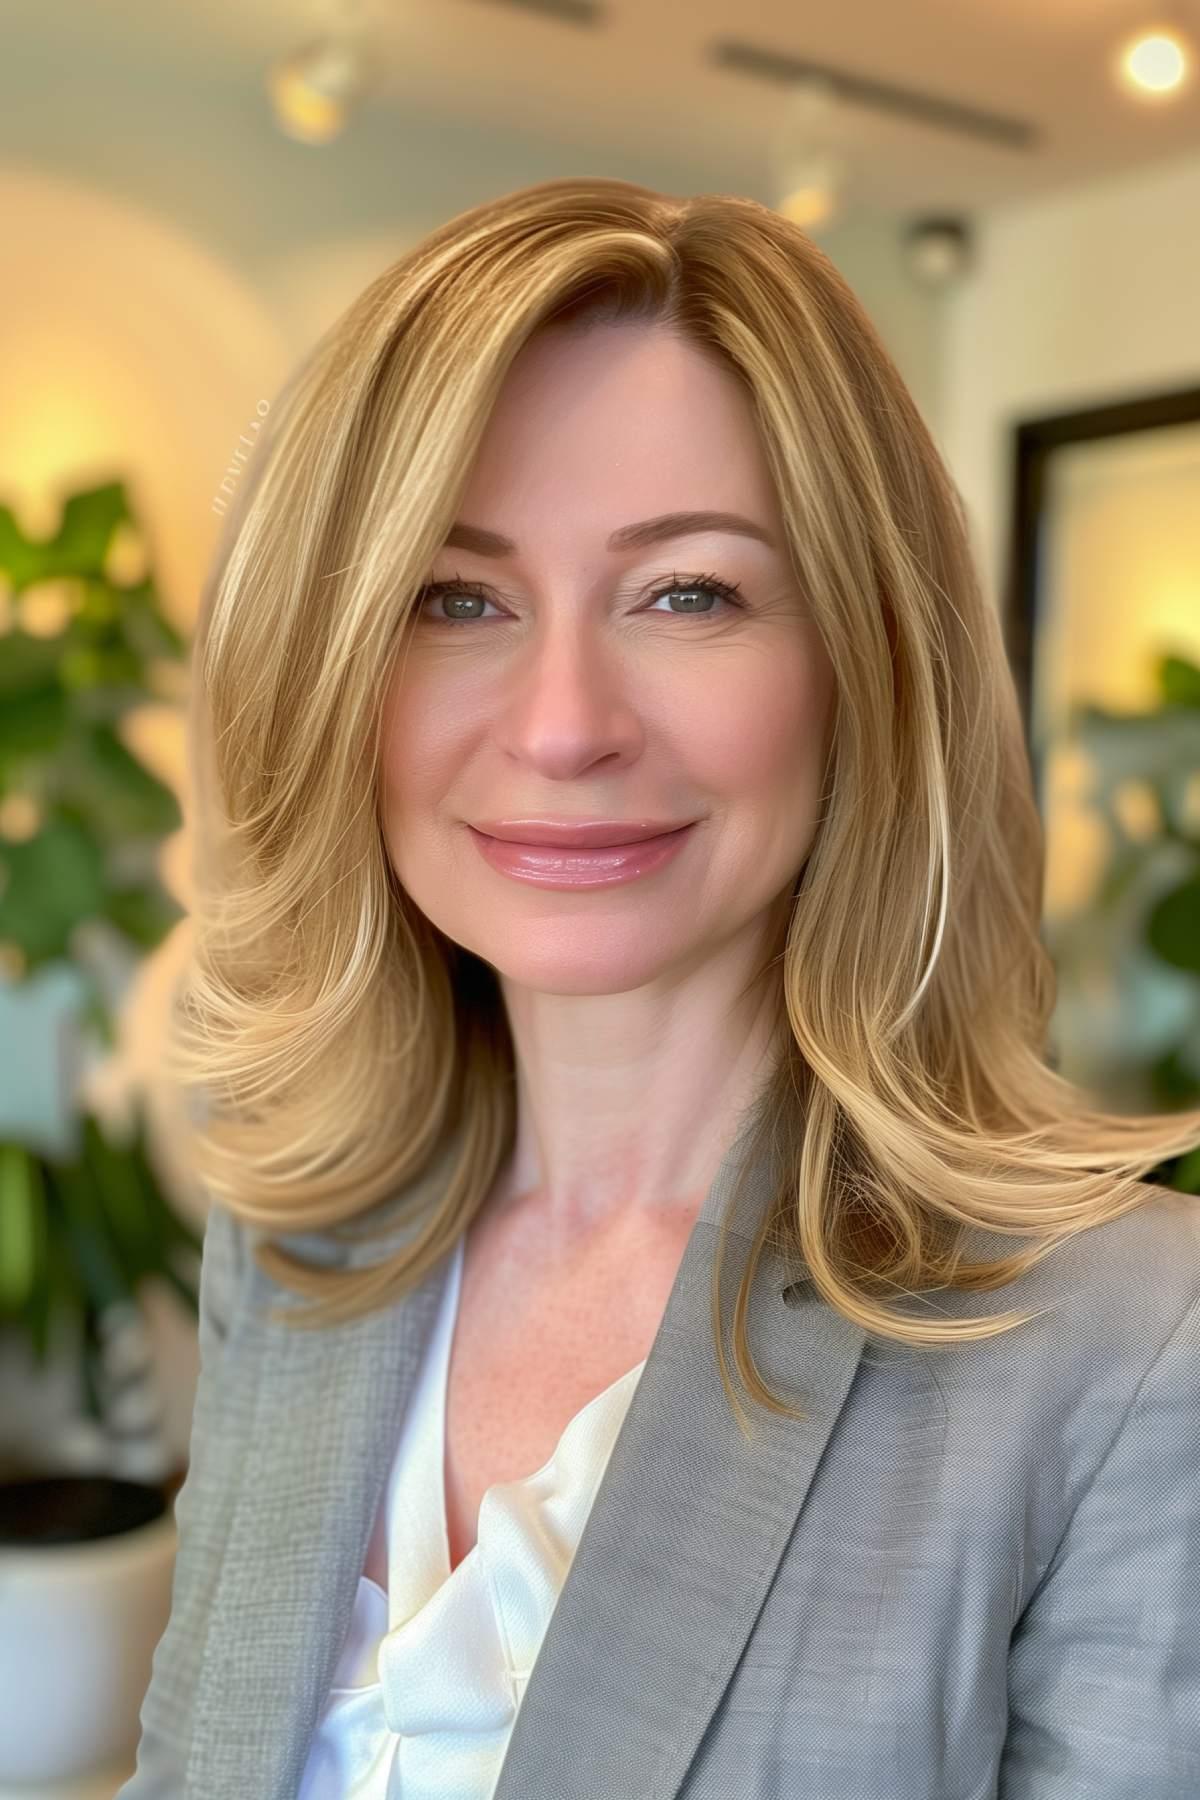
x=1152 y=1248
x=1109 y=1301
x=1144 y=1263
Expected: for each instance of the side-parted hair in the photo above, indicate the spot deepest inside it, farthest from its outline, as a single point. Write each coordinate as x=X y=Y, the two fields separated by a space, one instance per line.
x=345 y=1047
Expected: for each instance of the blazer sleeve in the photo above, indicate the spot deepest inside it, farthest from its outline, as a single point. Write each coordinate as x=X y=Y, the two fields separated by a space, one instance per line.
x=1104 y=1662
x=166 y=1719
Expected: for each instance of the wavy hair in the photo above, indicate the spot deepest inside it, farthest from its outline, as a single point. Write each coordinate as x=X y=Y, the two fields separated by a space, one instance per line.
x=350 y=1053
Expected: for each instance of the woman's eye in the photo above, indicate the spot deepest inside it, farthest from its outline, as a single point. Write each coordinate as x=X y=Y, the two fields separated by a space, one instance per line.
x=454 y=595
x=694 y=591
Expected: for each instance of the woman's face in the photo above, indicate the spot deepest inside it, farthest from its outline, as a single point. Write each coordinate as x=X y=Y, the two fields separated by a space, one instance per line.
x=585 y=681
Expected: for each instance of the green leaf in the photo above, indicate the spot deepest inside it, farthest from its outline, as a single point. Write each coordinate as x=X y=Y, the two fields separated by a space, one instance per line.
x=79 y=545
x=135 y=802
x=28 y=664
x=1173 y=926
x=85 y=666
x=136 y=1205
x=21 y=1197
x=15 y=550
x=48 y=884
x=103 y=1278
x=39 y=1308
x=146 y=627
x=62 y=1291
x=145 y=914
x=35 y=721
x=1179 y=681
x=1186 y=1176
x=89 y=520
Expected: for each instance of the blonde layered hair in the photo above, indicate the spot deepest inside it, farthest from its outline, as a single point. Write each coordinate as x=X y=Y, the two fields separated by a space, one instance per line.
x=349 y=1052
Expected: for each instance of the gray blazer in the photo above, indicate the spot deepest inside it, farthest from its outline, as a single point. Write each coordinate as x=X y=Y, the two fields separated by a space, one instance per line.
x=968 y=1574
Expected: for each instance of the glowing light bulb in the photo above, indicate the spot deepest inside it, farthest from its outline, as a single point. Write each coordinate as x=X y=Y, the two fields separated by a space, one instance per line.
x=810 y=174
x=809 y=199
x=311 y=91
x=1155 y=62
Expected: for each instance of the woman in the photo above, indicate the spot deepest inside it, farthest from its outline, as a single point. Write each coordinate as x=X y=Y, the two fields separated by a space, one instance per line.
x=603 y=507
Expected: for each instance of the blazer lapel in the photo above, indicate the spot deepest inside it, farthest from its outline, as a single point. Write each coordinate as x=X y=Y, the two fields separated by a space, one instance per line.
x=321 y=1412
x=685 y=1533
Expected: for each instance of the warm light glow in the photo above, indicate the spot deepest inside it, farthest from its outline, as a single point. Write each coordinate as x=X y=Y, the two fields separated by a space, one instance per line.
x=1135 y=804
x=1155 y=62
x=310 y=91
x=807 y=206
x=45 y=607
x=146 y=383
x=811 y=186
x=127 y=561
x=20 y=817
x=809 y=172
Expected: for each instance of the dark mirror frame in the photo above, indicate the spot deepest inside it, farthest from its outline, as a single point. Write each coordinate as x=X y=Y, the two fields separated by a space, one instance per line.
x=1033 y=443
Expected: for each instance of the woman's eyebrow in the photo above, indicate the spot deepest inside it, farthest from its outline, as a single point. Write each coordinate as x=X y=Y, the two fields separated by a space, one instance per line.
x=462 y=536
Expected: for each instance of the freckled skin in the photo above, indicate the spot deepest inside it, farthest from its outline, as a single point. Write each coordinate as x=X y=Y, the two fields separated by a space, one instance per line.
x=579 y=688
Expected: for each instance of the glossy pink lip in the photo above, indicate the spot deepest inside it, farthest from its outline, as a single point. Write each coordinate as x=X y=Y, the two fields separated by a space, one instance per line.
x=577 y=834
x=580 y=866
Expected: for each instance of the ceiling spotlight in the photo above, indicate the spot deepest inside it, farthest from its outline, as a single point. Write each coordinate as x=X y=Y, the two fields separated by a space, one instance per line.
x=809 y=173
x=811 y=188
x=313 y=90
x=1155 y=62
x=937 y=250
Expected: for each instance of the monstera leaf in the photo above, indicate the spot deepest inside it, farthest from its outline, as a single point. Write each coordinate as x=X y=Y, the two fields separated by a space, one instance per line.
x=81 y=800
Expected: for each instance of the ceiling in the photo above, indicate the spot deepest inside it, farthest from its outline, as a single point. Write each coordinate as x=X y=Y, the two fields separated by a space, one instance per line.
x=1028 y=101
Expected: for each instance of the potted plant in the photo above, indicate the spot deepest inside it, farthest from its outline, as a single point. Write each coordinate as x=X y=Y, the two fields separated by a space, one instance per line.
x=1137 y=942
x=86 y=1553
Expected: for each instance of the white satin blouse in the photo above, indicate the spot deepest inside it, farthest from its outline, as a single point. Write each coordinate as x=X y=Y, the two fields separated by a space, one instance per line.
x=433 y=1671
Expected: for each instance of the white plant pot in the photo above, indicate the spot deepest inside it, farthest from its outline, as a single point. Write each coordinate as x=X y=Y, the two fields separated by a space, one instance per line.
x=79 y=1623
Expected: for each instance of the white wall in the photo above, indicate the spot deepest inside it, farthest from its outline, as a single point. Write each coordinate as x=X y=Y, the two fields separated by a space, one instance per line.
x=1086 y=297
